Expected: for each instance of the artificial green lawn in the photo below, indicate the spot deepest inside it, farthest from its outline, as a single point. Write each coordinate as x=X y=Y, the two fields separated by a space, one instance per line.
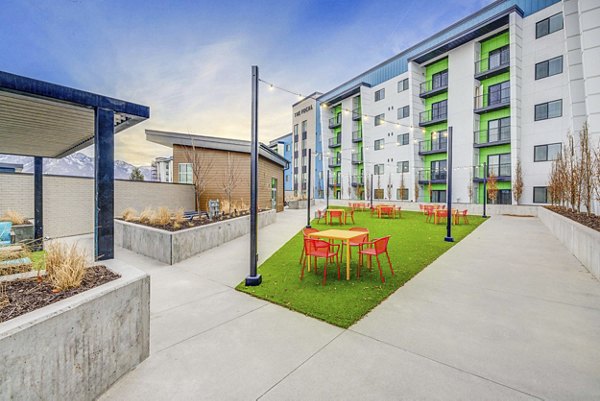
x=413 y=246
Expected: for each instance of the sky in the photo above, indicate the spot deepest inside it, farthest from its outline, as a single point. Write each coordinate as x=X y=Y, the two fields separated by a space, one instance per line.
x=190 y=60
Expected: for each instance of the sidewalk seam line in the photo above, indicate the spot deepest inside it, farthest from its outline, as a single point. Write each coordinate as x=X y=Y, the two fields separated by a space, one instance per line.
x=153 y=314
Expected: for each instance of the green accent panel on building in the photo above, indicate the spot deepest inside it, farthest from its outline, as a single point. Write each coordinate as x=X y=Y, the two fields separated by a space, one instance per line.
x=434 y=128
x=494 y=43
x=486 y=83
x=492 y=115
x=493 y=150
x=436 y=67
x=500 y=185
x=435 y=99
x=427 y=159
x=434 y=187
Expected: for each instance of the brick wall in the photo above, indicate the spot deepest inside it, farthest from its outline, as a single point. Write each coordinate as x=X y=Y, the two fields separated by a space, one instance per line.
x=221 y=162
x=69 y=201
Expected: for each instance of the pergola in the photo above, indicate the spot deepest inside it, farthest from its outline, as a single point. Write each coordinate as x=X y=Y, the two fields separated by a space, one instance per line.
x=46 y=120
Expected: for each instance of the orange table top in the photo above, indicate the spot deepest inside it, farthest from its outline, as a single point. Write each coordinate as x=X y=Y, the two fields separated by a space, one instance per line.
x=337 y=234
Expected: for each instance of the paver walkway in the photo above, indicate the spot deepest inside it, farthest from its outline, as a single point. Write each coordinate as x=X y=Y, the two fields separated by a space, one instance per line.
x=506 y=314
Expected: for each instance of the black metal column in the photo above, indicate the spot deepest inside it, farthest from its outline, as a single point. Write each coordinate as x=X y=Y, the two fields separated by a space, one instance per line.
x=448 y=237
x=308 y=185
x=254 y=278
x=38 y=202
x=327 y=191
x=485 y=175
x=104 y=184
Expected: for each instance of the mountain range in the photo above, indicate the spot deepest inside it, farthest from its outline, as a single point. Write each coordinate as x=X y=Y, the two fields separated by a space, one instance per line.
x=77 y=164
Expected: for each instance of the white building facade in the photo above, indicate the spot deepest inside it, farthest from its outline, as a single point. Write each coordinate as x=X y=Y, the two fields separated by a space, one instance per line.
x=162 y=169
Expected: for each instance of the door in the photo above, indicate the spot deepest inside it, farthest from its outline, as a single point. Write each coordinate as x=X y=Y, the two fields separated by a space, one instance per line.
x=274 y=193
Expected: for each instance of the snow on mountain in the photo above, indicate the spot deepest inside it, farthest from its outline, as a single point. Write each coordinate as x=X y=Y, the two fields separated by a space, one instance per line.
x=76 y=164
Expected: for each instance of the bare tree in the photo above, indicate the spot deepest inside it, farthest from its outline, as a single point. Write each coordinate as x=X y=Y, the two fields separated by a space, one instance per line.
x=202 y=164
x=231 y=179
x=349 y=186
x=596 y=171
x=573 y=174
x=389 y=186
x=417 y=190
x=518 y=184
x=368 y=187
x=586 y=169
x=492 y=187
x=470 y=186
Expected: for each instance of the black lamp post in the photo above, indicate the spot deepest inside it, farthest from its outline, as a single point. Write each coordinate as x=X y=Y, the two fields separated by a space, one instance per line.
x=449 y=237
x=485 y=174
x=327 y=191
x=308 y=191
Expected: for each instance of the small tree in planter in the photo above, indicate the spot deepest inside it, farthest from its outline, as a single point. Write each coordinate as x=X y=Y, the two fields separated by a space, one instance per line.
x=202 y=165
x=416 y=190
x=586 y=169
x=402 y=187
x=492 y=188
x=518 y=184
x=231 y=179
x=389 y=187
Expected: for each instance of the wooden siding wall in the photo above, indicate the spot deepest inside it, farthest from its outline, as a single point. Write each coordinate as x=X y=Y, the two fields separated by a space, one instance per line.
x=241 y=195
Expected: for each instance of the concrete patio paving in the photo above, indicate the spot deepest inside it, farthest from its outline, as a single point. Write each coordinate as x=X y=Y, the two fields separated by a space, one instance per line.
x=507 y=313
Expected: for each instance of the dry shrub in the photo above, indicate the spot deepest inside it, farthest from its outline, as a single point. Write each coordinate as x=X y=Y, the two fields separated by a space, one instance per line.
x=179 y=219
x=146 y=216
x=15 y=268
x=65 y=265
x=130 y=214
x=4 y=301
x=14 y=217
x=161 y=217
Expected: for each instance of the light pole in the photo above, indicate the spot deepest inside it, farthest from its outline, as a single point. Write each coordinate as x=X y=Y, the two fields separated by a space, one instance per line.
x=254 y=279
x=327 y=191
x=308 y=191
x=448 y=237
x=485 y=174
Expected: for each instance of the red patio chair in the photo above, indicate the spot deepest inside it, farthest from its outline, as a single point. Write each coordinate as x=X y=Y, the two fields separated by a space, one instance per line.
x=375 y=248
x=464 y=215
x=335 y=214
x=349 y=213
x=320 y=249
x=388 y=211
x=440 y=214
x=305 y=232
x=358 y=241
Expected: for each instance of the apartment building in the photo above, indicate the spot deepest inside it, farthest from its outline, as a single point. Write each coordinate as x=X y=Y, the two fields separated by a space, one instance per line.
x=512 y=80
x=162 y=169
x=306 y=134
x=283 y=146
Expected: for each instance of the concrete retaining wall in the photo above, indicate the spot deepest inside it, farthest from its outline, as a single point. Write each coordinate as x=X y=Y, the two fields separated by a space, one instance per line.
x=173 y=247
x=581 y=241
x=75 y=349
x=69 y=201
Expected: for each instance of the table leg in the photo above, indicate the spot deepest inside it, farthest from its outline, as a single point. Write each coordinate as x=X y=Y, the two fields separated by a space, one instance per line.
x=348 y=260
x=309 y=258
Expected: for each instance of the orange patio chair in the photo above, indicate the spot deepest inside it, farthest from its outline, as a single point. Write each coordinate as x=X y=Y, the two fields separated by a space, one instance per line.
x=335 y=214
x=464 y=215
x=350 y=214
x=375 y=248
x=305 y=232
x=358 y=241
x=320 y=249
x=388 y=211
x=440 y=214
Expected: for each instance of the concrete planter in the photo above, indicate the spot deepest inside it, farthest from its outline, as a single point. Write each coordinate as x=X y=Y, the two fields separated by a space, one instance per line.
x=581 y=241
x=76 y=348
x=300 y=204
x=23 y=232
x=174 y=246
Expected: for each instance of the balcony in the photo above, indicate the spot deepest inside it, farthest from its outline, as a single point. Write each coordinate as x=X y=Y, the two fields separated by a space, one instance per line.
x=433 y=87
x=335 y=142
x=494 y=65
x=336 y=121
x=357 y=158
x=433 y=176
x=357 y=181
x=501 y=171
x=491 y=101
x=357 y=136
x=492 y=137
x=334 y=182
x=430 y=147
x=356 y=114
x=430 y=117
x=335 y=161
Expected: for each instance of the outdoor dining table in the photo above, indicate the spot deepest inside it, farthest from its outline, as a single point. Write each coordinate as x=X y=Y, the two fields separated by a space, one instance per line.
x=342 y=235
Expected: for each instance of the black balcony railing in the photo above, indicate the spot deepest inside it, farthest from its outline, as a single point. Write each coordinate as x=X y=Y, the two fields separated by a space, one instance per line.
x=426 y=176
x=493 y=136
x=335 y=141
x=433 y=86
x=357 y=136
x=497 y=63
x=493 y=100
x=357 y=158
x=336 y=121
x=433 y=116
x=438 y=145
x=502 y=172
x=335 y=161
x=357 y=180
x=356 y=114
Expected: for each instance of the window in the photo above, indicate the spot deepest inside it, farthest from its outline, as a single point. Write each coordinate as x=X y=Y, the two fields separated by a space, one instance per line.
x=403 y=112
x=379 y=119
x=185 y=173
x=549 y=25
x=378 y=169
x=403 y=139
x=288 y=147
x=544 y=153
x=498 y=57
x=438 y=196
x=439 y=110
x=438 y=170
x=439 y=80
x=295 y=146
x=379 y=144
x=499 y=93
x=380 y=94
x=499 y=165
x=548 y=68
x=295 y=162
x=378 y=193
x=544 y=111
x=503 y=197
x=499 y=130
x=402 y=167
x=303 y=128
x=540 y=194
x=402 y=194
x=403 y=85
